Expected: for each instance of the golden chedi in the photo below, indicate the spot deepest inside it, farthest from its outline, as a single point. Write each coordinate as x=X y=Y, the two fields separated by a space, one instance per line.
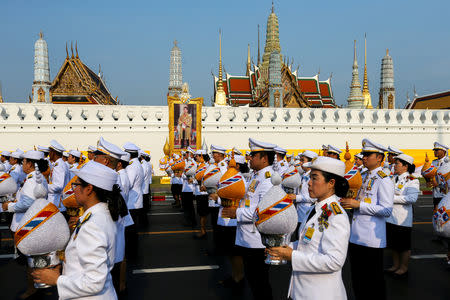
x=352 y=174
x=231 y=186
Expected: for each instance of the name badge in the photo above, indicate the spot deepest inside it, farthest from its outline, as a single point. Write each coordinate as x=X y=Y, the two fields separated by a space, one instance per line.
x=308 y=235
x=368 y=200
x=247 y=202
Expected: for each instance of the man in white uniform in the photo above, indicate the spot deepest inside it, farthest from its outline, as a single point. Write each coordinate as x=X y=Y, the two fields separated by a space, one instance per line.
x=440 y=152
x=59 y=176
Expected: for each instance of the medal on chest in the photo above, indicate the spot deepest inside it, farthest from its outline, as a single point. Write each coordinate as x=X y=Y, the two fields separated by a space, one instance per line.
x=323 y=219
x=78 y=226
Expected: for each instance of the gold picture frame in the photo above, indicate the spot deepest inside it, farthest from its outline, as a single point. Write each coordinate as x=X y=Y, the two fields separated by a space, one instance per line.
x=194 y=107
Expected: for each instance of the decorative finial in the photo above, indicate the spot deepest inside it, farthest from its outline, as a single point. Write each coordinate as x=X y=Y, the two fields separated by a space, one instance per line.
x=41 y=35
x=76 y=48
x=71 y=49
x=67 y=52
x=272 y=6
x=387 y=52
x=175 y=43
x=259 y=56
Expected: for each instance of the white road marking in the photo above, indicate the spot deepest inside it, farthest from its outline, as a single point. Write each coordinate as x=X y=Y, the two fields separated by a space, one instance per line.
x=165 y=214
x=176 y=269
x=427 y=256
x=425 y=205
x=7 y=256
x=4 y=227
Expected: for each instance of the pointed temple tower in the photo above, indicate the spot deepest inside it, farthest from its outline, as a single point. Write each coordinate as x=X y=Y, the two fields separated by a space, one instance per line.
x=272 y=42
x=248 y=67
x=1 y=96
x=275 y=88
x=176 y=72
x=355 y=99
x=387 y=89
x=41 y=83
x=220 y=98
x=365 y=90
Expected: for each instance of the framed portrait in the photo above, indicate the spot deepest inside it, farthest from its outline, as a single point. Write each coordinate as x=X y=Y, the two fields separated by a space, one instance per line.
x=185 y=123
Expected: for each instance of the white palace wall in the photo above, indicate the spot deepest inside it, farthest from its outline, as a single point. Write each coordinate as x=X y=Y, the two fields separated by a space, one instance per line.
x=24 y=125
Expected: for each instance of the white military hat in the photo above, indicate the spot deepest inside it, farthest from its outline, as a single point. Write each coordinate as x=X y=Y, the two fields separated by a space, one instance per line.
x=333 y=149
x=289 y=155
x=16 y=154
x=359 y=155
x=20 y=151
x=200 y=152
x=6 y=153
x=98 y=175
x=43 y=149
x=92 y=148
x=108 y=148
x=130 y=147
x=327 y=164
x=309 y=154
x=239 y=159
x=280 y=150
x=324 y=147
x=218 y=149
x=190 y=150
x=369 y=146
x=126 y=157
x=256 y=146
x=439 y=146
x=56 y=146
x=75 y=153
x=394 y=150
x=65 y=154
x=236 y=151
x=33 y=154
x=406 y=158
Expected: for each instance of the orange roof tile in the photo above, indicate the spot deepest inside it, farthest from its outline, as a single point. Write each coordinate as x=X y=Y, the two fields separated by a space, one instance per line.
x=240 y=85
x=308 y=86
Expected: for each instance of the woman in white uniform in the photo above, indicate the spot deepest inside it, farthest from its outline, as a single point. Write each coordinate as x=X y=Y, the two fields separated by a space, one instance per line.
x=90 y=253
x=318 y=256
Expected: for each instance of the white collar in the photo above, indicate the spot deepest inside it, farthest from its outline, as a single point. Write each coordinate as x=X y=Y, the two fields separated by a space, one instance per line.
x=327 y=201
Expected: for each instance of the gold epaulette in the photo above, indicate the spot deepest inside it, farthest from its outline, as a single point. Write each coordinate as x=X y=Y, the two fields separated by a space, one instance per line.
x=335 y=208
x=267 y=174
x=381 y=174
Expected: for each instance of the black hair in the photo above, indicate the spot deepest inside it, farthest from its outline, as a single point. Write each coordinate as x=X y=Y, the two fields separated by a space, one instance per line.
x=147 y=158
x=77 y=159
x=341 y=184
x=243 y=168
x=42 y=164
x=205 y=157
x=116 y=204
x=124 y=163
x=270 y=156
x=133 y=155
x=411 y=167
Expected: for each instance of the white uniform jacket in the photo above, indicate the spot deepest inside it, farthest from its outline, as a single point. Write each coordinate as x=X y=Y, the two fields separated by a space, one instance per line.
x=283 y=166
x=440 y=190
x=376 y=197
x=25 y=198
x=246 y=233
x=318 y=257
x=136 y=177
x=59 y=178
x=406 y=192
x=7 y=166
x=72 y=167
x=90 y=257
x=302 y=199
x=18 y=174
x=121 y=223
x=147 y=174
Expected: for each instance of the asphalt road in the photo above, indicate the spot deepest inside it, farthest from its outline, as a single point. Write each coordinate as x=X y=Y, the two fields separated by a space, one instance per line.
x=172 y=265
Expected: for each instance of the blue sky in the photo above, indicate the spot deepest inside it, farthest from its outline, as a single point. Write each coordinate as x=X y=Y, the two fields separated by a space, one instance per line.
x=132 y=41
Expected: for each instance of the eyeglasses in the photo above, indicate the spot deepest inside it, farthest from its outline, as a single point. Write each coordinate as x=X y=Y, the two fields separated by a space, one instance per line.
x=75 y=184
x=367 y=154
x=252 y=154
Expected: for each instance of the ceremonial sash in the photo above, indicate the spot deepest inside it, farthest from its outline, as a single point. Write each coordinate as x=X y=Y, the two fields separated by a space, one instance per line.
x=286 y=175
x=4 y=176
x=211 y=173
x=272 y=210
x=40 y=218
x=427 y=171
x=352 y=172
x=230 y=181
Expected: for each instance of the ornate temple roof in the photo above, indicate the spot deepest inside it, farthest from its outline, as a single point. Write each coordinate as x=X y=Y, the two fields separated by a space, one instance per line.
x=76 y=83
x=440 y=100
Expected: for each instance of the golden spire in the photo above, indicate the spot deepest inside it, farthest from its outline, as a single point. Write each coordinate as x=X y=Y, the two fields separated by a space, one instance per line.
x=67 y=52
x=249 y=63
x=365 y=90
x=166 y=148
x=259 y=56
x=41 y=35
x=76 y=48
x=221 y=99
x=71 y=49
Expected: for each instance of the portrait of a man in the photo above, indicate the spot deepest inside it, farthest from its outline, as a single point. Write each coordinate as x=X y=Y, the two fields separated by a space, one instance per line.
x=184 y=127
x=185 y=130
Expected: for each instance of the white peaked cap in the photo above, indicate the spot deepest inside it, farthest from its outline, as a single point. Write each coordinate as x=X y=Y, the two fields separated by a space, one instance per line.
x=439 y=146
x=325 y=147
x=236 y=151
x=98 y=175
x=43 y=149
x=126 y=157
x=130 y=147
x=16 y=154
x=190 y=150
x=109 y=149
x=280 y=150
x=239 y=159
x=6 y=153
x=369 y=146
x=309 y=154
x=394 y=150
x=56 y=146
x=333 y=149
x=218 y=149
x=75 y=153
x=257 y=146
x=65 y=154
x=359 y=155
x=407 y=158
x=327 y=164
x=200 y=152
x=33 y=154
x=20 y=151
x=92 y=148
